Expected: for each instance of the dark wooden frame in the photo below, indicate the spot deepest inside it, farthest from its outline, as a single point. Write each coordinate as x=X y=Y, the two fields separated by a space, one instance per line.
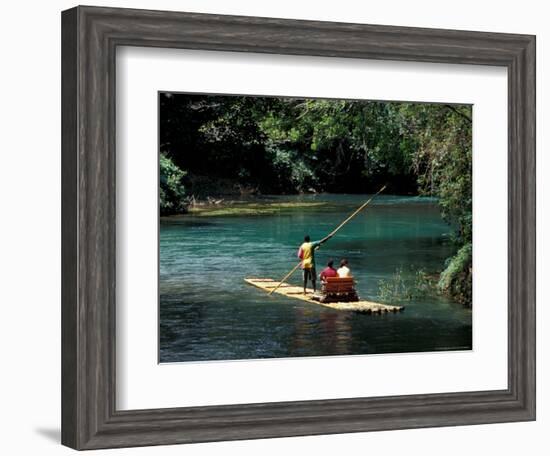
x=90 y=36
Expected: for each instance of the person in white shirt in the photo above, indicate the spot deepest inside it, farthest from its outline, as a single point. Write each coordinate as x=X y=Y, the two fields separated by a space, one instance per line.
x=344 y=270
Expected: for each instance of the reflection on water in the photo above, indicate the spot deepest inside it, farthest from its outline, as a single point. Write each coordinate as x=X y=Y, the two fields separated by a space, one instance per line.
x=207 y=312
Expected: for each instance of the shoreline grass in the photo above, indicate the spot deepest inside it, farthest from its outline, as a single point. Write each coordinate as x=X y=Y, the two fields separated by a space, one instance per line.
x=249 y=208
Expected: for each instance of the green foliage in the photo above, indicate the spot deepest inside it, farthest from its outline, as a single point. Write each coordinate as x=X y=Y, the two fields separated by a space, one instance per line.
x=404 y=287
x=456 y=279
x=443 y=161
x=172 y=190
x=291 y=170
x=443 y=164
x=423 y=283
x=394 y=289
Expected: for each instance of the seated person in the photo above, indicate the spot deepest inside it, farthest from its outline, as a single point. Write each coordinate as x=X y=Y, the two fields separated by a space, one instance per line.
x=344 y=270
x=329 y=271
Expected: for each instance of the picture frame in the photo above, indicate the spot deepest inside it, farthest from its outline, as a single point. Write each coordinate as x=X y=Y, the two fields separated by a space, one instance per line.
x=90 y=36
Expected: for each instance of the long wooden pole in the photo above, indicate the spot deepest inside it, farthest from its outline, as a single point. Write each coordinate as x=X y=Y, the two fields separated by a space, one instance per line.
x=285 y=277
x=332 y=233
x=363 y=206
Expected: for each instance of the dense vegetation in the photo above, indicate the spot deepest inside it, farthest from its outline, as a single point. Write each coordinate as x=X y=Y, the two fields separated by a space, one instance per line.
x=225 y=145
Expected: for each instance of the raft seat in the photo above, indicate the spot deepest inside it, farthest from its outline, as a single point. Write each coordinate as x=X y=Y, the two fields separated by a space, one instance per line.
x=339 y=285
x=336 y=289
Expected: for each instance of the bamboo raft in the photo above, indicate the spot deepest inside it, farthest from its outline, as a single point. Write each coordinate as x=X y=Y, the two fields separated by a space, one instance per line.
x=296 y=292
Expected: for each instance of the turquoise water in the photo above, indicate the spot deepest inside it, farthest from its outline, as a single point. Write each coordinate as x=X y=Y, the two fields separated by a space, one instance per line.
x=207 y=311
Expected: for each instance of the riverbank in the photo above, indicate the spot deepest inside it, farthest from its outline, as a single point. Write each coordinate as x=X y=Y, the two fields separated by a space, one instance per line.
x=221 y=207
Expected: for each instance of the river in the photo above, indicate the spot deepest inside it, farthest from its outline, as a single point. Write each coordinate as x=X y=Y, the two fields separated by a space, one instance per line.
x=207 y=311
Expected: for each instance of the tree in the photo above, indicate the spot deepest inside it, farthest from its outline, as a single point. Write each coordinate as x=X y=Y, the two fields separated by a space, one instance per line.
x=443 y=164
x=172 y=190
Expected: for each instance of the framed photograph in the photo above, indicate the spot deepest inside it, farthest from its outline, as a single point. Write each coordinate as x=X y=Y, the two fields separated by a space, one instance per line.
x=279 y=228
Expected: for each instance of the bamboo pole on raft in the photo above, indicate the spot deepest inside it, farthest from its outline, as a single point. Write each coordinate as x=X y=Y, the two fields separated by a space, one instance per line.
x=332 y=233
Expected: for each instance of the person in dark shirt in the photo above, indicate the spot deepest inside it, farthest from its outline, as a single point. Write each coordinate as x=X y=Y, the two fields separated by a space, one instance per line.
x=329 y=271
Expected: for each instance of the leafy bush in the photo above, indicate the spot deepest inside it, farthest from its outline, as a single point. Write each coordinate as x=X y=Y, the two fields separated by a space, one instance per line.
x=456 y=279
x=291 y=170
x=393 y=289
x=172 y=190
x=404 y=287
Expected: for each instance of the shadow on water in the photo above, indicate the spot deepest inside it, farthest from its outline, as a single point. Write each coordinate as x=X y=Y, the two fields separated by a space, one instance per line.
x=207 y=311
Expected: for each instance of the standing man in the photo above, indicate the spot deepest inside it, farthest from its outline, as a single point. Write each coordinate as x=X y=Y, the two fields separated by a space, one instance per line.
x=306 y=253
